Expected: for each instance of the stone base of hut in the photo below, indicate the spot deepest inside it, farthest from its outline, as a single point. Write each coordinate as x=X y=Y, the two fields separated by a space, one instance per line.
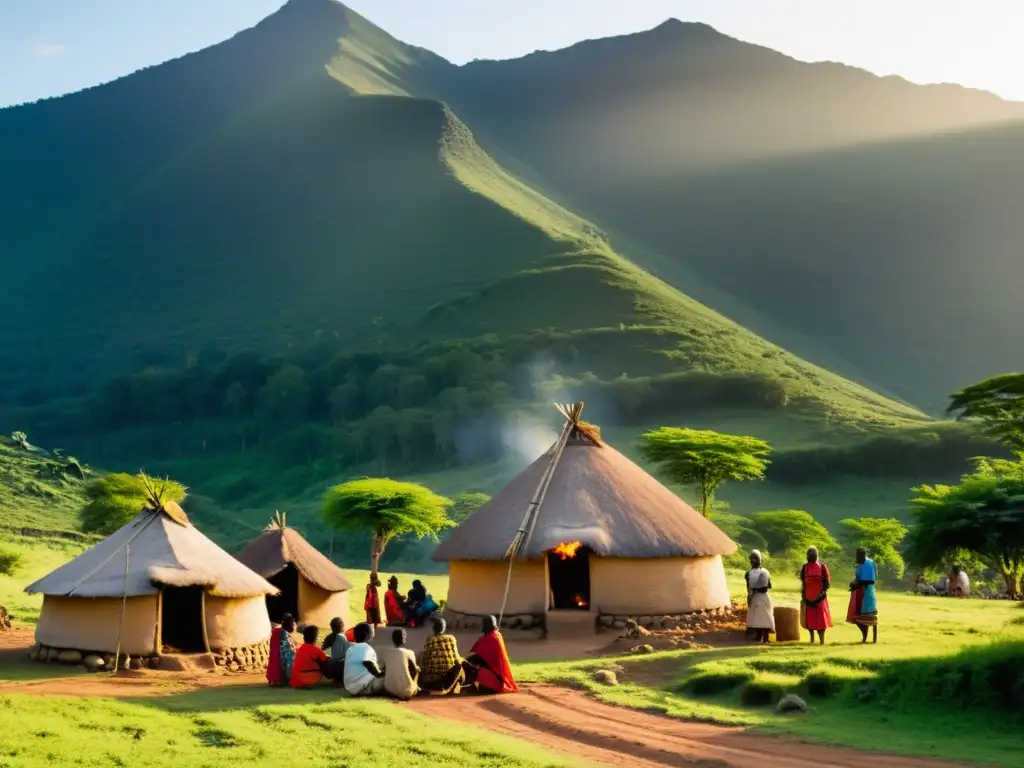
x=469 y=621
x=252 y=658
x=605 y=621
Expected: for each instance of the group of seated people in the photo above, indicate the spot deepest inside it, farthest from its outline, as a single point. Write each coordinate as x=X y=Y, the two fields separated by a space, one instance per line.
x=411 y=611
x=349 y=660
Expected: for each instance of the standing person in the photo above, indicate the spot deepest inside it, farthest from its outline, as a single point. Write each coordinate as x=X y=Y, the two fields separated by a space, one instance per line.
x=863 y=610
x=490 y=659
x=400 y=670
x=362 y=676
x=443 y=671
x=336 y=645
x=959 y=583
x=815 y=615
x=311 y=663
x=393 y=604
x=760 y=615
x=372 y=602
x=282 y=653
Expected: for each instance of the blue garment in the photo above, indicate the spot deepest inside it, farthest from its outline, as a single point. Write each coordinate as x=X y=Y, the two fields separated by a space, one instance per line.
x=866 y=572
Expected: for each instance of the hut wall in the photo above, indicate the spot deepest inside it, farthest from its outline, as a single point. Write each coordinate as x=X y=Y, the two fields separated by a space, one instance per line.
x=91 y=624
x=318 y=606
x=477 y=587
x=660 y=585
x=233 y=622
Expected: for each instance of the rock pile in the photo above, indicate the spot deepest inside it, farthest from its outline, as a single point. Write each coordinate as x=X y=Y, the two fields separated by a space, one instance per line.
x=696 y=620
x=250 y=658
x=5 y=619
x=522 y=621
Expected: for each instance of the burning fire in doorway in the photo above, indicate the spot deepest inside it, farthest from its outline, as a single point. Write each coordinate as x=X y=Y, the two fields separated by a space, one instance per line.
x=567 y=550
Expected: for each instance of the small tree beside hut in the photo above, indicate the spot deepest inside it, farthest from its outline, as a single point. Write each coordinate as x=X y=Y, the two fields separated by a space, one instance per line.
x=115 y=499
x=388 y=509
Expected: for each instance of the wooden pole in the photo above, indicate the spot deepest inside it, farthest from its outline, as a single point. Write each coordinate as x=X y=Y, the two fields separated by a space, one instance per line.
x=202 y=610
x=158 y=642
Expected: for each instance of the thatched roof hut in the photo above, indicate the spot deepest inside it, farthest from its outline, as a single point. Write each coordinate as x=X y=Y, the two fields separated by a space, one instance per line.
x=312 y=588
x=156 y=582
x=605 y=537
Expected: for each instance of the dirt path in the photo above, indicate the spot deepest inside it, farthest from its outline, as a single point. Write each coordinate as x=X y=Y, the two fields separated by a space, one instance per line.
x=569 y=722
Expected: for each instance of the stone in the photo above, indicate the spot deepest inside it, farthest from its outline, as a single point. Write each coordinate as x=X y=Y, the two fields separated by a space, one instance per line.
x=233 y=666
x=5 y=619
x=639 y=650
x=94 y=663
x=605 y=621
x=238 y=656
x=52 y=654
x=528 y=622
x=606 y=677
x=514 y=623
x=619 y=623
x=69 y=657
x=154 y=663
x=33 y=652
x=135 y=663
x=791 y=703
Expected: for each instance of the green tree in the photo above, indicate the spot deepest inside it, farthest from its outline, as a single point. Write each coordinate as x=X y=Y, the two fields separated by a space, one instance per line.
x=790 y=532
x=704 y=458
x=235 y=400
x=983 y=515
x=881 y=537
x=115 y=499
x=285 y=396
x=998 y=404
x=465 y=504
x=387 y=508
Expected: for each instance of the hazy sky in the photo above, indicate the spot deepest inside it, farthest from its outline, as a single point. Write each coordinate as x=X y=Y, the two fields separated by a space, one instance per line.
x=49 y=47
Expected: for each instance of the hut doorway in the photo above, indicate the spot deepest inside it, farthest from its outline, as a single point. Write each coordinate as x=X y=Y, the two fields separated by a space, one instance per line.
x=182 y=620
x=569 y=577
x=288 y=601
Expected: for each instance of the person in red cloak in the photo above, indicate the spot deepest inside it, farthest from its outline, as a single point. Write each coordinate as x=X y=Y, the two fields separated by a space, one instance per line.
x=372 y=602
x=279 y=666
x=393 y=604
x=489 y=659
x=815 y=615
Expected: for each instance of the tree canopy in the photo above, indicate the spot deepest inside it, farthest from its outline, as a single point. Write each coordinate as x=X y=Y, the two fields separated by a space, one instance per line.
x=387 y=508
x=704 y=458
x=465 y=504
x=983 y=515
x=789 y=533
x=998 y=403
x=115 y=499
x=881 y=537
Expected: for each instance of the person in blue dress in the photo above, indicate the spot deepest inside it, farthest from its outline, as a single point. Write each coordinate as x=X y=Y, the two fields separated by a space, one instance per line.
x=863 y=609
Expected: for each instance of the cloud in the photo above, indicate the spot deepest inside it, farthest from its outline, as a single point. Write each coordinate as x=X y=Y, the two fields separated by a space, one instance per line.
x=47 y=50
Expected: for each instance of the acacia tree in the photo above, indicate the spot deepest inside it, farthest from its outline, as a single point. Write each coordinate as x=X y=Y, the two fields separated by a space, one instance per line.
x=115 y=499
x=705 y=459
x=983 y=515
x=465 y=504
x=387 y=508
x=881 y=537
x=998 y=404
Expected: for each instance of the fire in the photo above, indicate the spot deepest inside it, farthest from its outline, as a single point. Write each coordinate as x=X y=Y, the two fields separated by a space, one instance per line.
x=568 y=550
x=580 y=602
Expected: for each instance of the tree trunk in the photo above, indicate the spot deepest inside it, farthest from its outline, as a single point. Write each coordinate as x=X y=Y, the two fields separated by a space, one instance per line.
x=376 y=550
x=1010 y=577
x=705 y=500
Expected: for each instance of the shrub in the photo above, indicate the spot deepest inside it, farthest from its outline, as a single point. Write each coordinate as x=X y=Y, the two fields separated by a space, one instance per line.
x=10 y=561
x=756 y=695
x=822 y=685
x=711 y=683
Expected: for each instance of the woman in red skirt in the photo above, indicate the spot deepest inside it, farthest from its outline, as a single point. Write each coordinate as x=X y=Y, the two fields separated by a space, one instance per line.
x=814 y=612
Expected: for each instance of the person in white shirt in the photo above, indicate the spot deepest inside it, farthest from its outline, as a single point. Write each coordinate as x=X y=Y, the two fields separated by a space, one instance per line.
x=362 y=676
x=959 y=583
x=400 y=670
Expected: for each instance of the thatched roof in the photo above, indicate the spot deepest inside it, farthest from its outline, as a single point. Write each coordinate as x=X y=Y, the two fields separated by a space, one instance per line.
x=280 y=546
x=596 y=496
x=162 y=549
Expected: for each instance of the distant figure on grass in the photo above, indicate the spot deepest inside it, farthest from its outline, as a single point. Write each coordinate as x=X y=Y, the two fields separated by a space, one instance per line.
x=372 y=602
x=362 y=676
x=336 y=645
x=863 y=610
x=400 y=670
x=489 y=658
x=959 y=583
x=443 y=671
x=282 y=652
x=393 y=604
x=760 y=616
x=815 y=615
x=311 y=663
x=419 y=605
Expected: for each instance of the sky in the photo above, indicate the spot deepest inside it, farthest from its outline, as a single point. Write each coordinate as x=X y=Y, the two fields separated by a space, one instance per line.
x=51 y=47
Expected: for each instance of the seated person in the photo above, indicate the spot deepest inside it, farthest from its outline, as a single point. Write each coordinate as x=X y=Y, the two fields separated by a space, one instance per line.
x=442 y=670
x=311 y=664
x=959 y=583
x=393 y=606
x=490 y=660
x=413 y=602
x=400 y=670
x=335 y=645
x=362 y=676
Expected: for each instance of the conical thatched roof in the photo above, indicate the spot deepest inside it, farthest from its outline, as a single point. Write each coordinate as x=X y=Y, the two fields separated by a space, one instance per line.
x=163 y=549
x=280 y=546
x=596 y=496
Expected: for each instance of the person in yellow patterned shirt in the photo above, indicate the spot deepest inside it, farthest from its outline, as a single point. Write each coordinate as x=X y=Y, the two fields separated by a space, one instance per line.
x=442 y=670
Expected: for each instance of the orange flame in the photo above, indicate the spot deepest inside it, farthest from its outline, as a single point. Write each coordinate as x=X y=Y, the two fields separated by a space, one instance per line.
x=568 y=550
x=580 y=602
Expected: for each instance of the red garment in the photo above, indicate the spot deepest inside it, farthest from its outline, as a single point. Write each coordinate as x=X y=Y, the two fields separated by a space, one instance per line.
x=372 y=605
x=497 y=675
x=815 y=616
x=306 y=669
x=275 y=675
x=350 y=634
x=393 y=608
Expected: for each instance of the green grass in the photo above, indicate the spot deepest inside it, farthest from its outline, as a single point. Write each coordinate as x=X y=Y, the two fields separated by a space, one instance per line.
x=918 y=697
x=30 y=497
x=39 y=557
x=244 y=726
